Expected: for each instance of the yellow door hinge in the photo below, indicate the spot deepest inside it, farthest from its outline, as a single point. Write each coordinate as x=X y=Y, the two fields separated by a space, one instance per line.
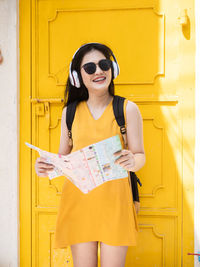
x=39 y=109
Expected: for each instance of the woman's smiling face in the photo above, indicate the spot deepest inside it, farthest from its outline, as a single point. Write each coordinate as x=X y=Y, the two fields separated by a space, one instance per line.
x=100 y=80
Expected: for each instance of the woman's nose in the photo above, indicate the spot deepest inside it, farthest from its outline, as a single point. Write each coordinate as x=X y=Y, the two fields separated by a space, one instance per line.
x=98 y=69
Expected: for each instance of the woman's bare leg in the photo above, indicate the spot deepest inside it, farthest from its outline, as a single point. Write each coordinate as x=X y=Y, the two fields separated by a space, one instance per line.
x=112 y=256
x=85 y=254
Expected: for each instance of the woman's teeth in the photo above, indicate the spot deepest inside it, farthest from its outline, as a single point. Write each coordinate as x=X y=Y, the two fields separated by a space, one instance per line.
x=100 y=79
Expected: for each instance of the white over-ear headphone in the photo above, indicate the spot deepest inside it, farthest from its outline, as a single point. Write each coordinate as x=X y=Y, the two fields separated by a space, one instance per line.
x=73 y=75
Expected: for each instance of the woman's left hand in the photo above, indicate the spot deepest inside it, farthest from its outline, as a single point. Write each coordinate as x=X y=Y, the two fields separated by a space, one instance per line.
x=125 y=159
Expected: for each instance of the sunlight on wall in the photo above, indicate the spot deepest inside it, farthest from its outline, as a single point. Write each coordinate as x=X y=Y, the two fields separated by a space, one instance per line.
x=197 y=146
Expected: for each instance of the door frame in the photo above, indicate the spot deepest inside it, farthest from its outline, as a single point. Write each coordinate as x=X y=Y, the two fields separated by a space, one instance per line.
x=25 y=186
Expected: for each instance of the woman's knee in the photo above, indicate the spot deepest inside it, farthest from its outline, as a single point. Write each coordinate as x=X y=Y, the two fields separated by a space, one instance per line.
x=112 y=256
x=85 y=254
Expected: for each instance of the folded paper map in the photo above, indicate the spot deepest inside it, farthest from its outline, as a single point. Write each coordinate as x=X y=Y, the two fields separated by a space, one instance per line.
x=88 y=167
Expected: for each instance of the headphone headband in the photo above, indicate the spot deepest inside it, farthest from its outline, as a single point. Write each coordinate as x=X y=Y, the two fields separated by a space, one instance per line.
x=73 y=75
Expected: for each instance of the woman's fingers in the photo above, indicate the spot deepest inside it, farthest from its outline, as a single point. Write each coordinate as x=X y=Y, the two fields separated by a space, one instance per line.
x=46 y=166
x=42 y=174
x=126 y=164
x=125 y=159
x=42 y=162
x=122 y=152
x=42 y=167
x=121 y=159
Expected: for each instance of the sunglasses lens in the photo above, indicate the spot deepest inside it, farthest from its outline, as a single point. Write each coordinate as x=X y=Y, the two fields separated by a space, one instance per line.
x=105 y=64
x=90 y=68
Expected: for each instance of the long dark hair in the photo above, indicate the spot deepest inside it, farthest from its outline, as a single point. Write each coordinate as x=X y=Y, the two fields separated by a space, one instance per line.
x=80 y=94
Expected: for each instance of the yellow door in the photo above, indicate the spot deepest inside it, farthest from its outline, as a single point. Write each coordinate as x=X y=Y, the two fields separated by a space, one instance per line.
x=154 y=44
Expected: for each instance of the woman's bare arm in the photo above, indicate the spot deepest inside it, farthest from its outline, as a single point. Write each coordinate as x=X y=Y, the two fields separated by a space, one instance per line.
x=64 y=147
x=133 y=159
x=135 y=134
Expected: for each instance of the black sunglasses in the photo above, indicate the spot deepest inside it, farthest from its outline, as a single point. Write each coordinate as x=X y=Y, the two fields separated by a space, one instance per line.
x=90 y=67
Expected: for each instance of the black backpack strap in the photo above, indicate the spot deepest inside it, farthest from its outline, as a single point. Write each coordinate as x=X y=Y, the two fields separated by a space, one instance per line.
x=118 y=109
x=134 y=183
x=70 y=113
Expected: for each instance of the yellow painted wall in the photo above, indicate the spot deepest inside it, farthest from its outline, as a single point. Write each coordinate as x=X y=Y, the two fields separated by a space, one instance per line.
x=155 y=51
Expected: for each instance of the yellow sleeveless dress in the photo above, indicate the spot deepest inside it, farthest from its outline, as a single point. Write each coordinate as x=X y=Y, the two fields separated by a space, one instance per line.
x=106 y=213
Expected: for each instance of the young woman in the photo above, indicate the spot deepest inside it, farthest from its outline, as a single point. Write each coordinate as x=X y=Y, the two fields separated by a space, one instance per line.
x=107 y=213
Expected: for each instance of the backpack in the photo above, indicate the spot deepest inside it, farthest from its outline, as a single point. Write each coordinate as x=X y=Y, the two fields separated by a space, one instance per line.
x=118 y=109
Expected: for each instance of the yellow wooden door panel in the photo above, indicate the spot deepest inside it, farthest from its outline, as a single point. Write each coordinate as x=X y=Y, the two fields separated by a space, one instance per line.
x=45 y=235
x=58 y=38
x=163 y=146
x=46 y=133
x=146 y=37
x=155 y=242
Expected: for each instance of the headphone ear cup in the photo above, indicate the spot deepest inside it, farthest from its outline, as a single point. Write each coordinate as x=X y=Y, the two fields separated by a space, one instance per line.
x=74 y=79
x=115 y=69
x=70 y=78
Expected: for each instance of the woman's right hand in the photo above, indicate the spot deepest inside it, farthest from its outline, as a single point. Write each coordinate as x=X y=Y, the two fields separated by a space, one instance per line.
x=42 y=168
